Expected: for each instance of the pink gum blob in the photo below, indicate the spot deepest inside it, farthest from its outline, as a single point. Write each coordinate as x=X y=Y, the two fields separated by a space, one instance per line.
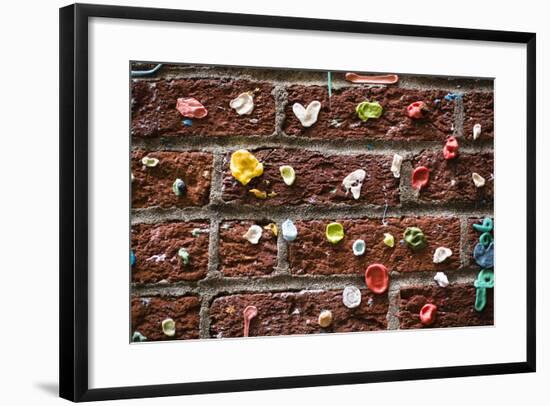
x=381 y=79
x=450 y=150
x=416 y=110
x=191 y=107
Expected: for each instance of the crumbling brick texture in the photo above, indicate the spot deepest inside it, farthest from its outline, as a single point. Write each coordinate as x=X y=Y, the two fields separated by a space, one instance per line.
x=292 y=283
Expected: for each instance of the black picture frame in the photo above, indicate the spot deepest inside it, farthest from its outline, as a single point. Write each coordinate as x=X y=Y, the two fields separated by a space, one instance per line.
x=73 y=378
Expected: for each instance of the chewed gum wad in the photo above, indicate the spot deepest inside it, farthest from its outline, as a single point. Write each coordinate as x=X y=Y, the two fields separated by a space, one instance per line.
x=353 y=182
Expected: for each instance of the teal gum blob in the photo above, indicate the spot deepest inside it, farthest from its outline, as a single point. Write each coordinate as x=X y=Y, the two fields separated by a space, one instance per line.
x=485 y=280
x=485 y=227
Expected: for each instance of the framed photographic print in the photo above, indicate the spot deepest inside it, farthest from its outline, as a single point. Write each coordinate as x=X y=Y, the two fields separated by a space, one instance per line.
x=301 y=202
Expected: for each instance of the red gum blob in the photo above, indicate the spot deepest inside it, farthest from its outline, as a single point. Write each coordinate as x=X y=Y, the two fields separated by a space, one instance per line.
x=249 y=313
x=191 y=107
x=450 y=150
x=376 y=278
x=420 y=177
x=416 y=110
x=427 y=314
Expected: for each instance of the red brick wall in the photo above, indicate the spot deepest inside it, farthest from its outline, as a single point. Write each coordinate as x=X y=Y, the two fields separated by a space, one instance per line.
x=290 y=283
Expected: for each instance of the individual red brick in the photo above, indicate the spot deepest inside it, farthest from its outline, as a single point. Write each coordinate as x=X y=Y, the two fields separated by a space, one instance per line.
x=455 y=306
x=296 y=313
x=239 y=257
x=152 y=187
x=156 y=249
x=479 y=109
x=394 y=124
x=318 y=179
x=451 y=180
x=148 y=314
x=312 y=254
x=154 y=108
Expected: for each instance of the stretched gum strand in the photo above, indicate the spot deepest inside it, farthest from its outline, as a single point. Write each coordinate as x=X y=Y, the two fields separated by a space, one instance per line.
x=249 y=313
x=143 y=73
x=380 y=79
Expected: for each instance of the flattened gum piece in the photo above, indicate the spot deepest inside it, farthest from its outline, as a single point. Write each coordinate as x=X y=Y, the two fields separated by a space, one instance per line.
x=420 y=177
x=377 y=278
x=190 y=107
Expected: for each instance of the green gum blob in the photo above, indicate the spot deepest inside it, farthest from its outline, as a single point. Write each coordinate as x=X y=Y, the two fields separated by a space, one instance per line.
x=485 y=280
x=415 y=238
x=184 y=255
x=334 y=232
x=366 y=110
x=485 y=227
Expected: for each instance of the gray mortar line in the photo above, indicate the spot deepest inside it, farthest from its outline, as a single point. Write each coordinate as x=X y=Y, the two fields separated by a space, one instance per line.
x=463 y=240
x=280 y=96
x=157 y=215
x=214 y=287
x=204 y=316
x=281 y=213
x=425 y=278
x=213 y=246
x=238 y=212
x=226 y=144
x=210 y=289
x=459 y=207
x=393 y=307
x=216 y=186
x=231 y=285
x=453 y=84
x=306 y=77
x=458 y=117
x=406 y=192
x=283 y=267
x=166 y=289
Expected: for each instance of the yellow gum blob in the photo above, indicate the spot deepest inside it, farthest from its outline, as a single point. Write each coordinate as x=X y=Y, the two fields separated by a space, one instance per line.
x=244 y=166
